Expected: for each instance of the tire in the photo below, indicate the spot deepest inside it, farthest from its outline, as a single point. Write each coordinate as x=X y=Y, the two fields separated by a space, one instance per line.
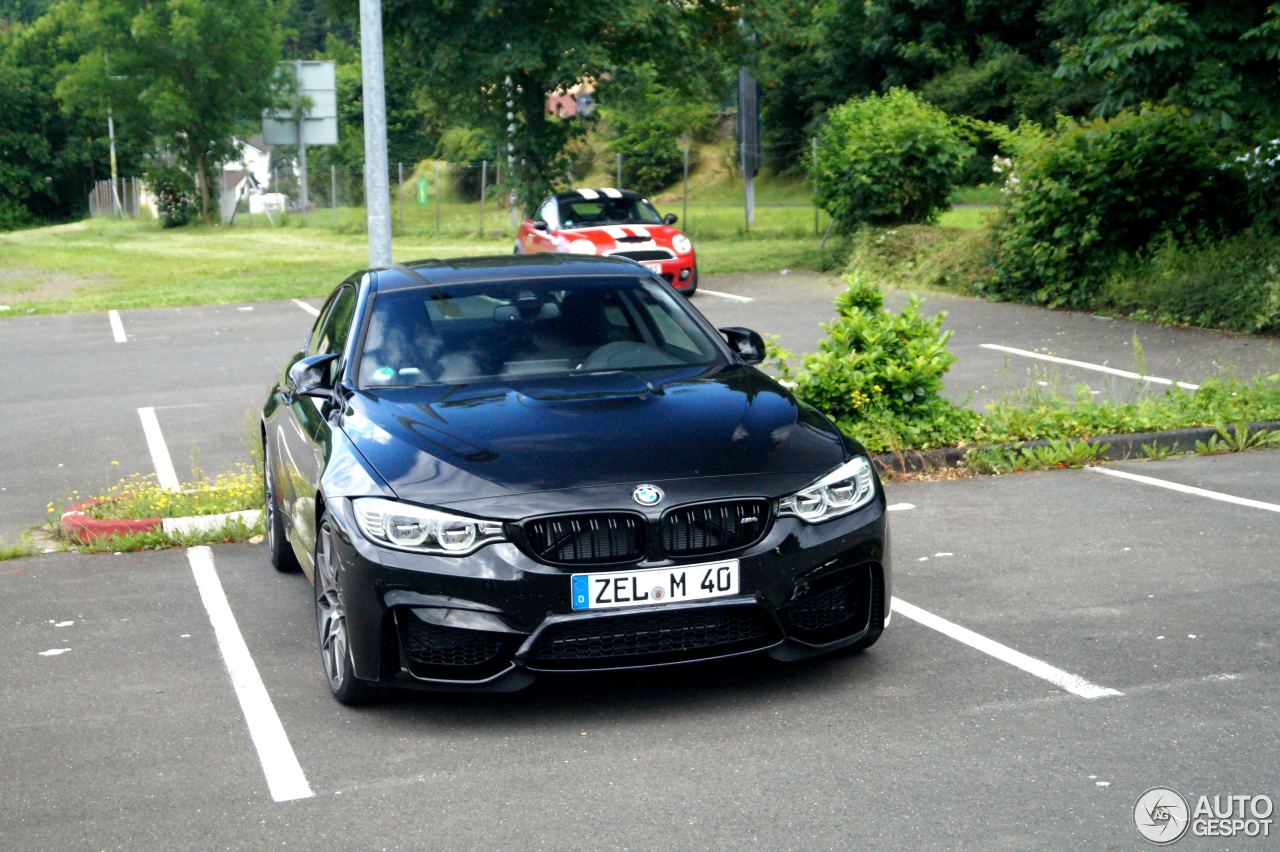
x=278 y=548
x=331 y=626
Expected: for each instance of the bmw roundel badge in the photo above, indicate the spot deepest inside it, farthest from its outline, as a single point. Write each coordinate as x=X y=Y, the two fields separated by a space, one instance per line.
x=647 y=495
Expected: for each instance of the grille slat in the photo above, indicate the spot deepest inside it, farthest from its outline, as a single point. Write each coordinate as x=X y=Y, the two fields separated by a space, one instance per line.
x=714 y=527
x=586 y=539
x=650 y=638
x=644 y=254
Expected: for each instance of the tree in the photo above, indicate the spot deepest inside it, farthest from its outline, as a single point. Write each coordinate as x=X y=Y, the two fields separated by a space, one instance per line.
x=465 y=54
x=1221 y=61
x=50 y=155
x=185 y=72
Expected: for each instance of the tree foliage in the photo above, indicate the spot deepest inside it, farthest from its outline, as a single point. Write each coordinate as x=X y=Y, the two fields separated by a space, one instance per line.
x=1220 y=61
x=184 y=72
x=465 y=53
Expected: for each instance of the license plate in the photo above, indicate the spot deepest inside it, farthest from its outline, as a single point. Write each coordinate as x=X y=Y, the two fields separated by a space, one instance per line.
x=655 y=585
x=655 y=265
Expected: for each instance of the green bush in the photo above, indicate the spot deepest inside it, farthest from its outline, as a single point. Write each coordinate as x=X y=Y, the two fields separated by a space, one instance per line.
x=878 y=374
x=888 y=159
x=1090 y=193
x=466 y=149
x=1232 y=284
x=175 y=194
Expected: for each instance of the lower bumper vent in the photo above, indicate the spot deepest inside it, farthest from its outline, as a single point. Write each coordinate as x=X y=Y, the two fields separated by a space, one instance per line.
x=651 y=638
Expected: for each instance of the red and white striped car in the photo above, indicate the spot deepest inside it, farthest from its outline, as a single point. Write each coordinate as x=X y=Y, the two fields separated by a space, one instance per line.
x=613 y=223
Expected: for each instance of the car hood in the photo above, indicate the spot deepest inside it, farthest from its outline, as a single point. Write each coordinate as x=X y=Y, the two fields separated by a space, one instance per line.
x=624 y=237
x=444 y=444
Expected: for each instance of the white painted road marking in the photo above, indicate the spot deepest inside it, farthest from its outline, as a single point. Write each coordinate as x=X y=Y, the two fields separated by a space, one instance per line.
x=1085 y=365
x=732 y=296
x=1188 y=489
x=315 y=312
x=1074 y=684
x=165 y=474
x=279 y=764
x=899 y=507
x=117 y=327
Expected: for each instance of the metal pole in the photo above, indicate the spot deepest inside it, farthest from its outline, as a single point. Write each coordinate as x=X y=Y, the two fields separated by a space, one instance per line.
x=111 y=136
x=814 y=148
x=484 y=180
x=400 y=193
x=617 y=161
x=333 y=192
x=684 y=209
x=437 y=189
x=377 y=194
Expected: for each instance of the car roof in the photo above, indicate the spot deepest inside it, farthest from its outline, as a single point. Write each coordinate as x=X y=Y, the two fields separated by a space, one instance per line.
x=506 y=267
x=592 y=194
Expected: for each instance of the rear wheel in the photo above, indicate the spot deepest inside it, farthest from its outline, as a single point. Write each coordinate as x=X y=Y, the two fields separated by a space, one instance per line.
x=278 y=548
x=331 y=624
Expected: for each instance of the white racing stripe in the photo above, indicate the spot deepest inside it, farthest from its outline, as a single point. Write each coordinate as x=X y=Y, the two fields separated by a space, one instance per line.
x=1188 y=489
x=280 y=765
x=117 y=327
x=732 y=296
x=165 y=474
x=615 y=231
x=1074 y=684
x=315 y=312
x=588 y=194
x=1085 y=365
x=610 y=192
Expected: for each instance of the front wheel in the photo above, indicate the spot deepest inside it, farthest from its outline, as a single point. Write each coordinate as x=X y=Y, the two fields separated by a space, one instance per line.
x=693 y=283
x=331 y=625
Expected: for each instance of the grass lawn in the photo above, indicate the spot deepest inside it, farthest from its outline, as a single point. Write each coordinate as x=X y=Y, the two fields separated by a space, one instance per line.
x=103 y=264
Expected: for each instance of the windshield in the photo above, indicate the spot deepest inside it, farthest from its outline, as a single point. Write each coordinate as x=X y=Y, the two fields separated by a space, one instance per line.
x=587 y=213
x=510 y=329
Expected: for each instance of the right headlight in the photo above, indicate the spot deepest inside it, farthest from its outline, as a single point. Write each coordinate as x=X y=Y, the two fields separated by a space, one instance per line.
x=421 y=530
x=848 y=487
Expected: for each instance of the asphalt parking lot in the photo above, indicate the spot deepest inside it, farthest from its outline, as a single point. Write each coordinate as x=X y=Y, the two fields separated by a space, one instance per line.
x=78 y=385
x=1101 y=636
x=1062 y=641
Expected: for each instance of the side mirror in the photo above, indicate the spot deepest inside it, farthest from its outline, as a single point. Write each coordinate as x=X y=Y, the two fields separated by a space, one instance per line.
x=748 y=344
x=670 y=219
x=539 y=224
x=310 y=377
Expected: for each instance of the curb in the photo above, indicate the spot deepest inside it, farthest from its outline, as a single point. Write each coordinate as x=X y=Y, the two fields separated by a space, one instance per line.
x=80 y=527
x=1120 y=447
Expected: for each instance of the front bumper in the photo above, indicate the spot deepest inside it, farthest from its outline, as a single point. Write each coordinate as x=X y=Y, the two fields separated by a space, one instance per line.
x=496 y=619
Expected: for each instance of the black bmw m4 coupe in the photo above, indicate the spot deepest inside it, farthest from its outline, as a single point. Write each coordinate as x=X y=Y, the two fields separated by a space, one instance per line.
x=499 y=467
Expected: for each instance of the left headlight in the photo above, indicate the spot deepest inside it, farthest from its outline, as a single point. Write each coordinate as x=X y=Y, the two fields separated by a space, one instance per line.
x=848 y=487
x=407 y=527
x=681 y=244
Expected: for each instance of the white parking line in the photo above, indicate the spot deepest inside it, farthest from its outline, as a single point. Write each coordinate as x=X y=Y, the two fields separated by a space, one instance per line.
x=732 y=296
x=315 y=312
x=284 y=774
x=1188 y=489
x=1085 y=365
x=165 y=473
x=1074 y=684
x=117 y=327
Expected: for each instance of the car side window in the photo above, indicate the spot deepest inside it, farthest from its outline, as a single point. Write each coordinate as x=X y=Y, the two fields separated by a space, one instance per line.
x=331 y=334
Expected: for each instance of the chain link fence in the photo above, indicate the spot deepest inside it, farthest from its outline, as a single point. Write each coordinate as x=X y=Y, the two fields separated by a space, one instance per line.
x=471 y=199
